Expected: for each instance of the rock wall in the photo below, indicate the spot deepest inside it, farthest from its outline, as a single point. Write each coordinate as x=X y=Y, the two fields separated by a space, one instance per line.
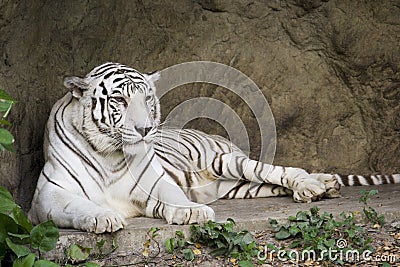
x=329 y=69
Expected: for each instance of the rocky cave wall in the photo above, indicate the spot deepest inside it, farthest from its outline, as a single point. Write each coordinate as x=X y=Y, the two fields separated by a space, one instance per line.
x=329 y=69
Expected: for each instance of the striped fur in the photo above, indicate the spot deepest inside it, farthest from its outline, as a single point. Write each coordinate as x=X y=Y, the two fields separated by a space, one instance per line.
x=359 y=180
x=107 y=159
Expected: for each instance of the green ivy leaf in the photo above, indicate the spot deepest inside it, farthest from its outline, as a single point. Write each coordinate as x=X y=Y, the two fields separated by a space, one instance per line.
x=245 y=264
x=19 y=250
x=20 y=236
x=273 y=222
x=6 y=138
x=330 y=243
x=45 y=263
x=170 y=245
x=188 y=254
x=100 y=245
x=44 y=236
x=301 y=216
x=77 y=252
x=9 y=147
x=5 y=105
x=282 y=234
x=20 y=218
x=26 y=261
x=351 y=233
x=6 y=97
x=7 y=203
x=7 y=225
x=179 y=234
x=4 y=122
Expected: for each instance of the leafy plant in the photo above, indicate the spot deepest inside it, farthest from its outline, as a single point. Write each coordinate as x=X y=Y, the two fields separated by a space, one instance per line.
x=369 y=212
x=312 y=231
x=78 y=254
x=179 y=242
x=18 y=237
x=6 y=138
x=221 y=237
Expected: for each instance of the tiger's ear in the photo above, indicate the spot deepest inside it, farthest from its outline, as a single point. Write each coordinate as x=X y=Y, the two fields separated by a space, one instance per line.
x=152 y=77
x=77 y=85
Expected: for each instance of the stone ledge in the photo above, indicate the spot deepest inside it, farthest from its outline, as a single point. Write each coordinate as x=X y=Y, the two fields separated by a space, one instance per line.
x=250 y=214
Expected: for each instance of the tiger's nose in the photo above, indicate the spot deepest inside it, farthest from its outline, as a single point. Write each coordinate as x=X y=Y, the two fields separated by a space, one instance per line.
x=143 y=131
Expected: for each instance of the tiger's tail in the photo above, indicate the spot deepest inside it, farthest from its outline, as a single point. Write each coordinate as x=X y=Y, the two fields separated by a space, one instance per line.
x=359 y=180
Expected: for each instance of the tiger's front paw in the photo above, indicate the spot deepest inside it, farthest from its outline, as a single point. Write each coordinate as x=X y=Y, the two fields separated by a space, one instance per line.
x=309 y=190
x=100 y=222
x=187 y=215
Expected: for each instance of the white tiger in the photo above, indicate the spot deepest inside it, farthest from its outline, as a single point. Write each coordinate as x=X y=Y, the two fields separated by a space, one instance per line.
x=107 y=160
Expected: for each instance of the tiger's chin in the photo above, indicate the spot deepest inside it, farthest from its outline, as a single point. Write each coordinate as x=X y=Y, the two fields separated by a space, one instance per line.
x=138 y=147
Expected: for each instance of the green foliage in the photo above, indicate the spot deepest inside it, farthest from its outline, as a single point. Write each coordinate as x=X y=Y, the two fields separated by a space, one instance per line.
x=220 y=237
x=173 y=243
x=6 y=138
x=369 y=212
x=316 y=232
x=78 y=253
x=18 y=236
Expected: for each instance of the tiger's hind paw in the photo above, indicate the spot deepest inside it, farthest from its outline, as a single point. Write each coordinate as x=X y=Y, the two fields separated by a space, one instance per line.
x=332 y=186
x=189 y=215
x=308 y=190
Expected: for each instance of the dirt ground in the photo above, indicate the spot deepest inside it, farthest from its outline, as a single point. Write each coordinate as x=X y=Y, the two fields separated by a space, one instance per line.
x=386 y=243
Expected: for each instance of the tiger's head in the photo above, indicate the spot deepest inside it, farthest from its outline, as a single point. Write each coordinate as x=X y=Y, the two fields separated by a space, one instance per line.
x=118 y=107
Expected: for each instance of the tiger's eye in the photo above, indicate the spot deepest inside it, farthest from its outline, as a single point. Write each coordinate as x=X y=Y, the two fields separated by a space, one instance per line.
x=121 y=100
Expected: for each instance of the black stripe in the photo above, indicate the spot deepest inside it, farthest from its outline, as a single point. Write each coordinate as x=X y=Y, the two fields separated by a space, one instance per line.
x=188 y=178
x=217 y=169
x=196 y=136
x=283 y=175
x=155 y=209
x=369 y=180
x=141 y=173
x=173 y=176
x=236 y=189
x=104 y=90
x=161 y=153
x=258 y=189
x=118 y=79
x=68 y=142
x=239 y=166
x=356 y=180
x=190 y=216
x=105 y=68
x=344 y=179
x=154 y=185
x=102 y=110
x=108 y=75
x=258 y=175
x=51 y=181
x=73 y=176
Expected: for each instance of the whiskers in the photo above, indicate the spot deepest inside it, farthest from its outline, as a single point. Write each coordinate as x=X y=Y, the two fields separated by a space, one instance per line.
x=105 y=140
